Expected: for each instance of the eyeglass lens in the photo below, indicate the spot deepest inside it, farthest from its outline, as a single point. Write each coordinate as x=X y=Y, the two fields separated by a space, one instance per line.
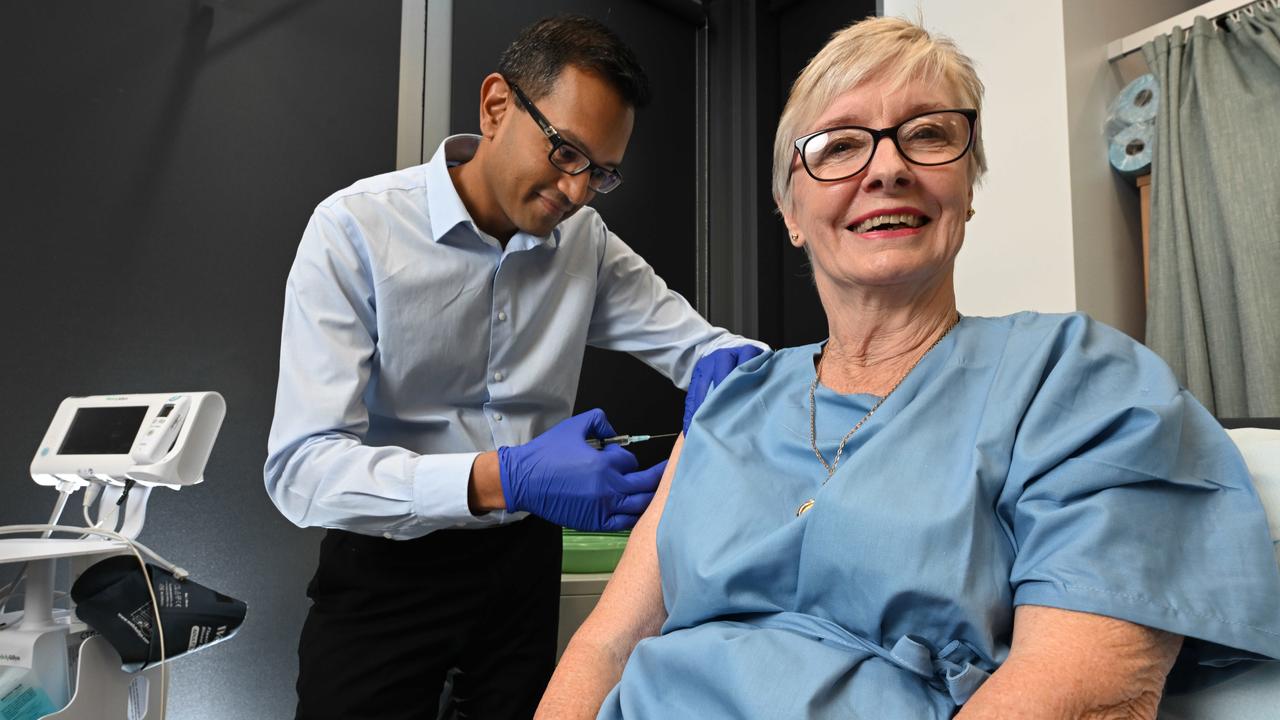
x=932 y=139
x=569 y=159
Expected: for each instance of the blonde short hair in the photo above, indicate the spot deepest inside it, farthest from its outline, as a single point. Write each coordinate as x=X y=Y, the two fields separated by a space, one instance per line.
x=879 y=48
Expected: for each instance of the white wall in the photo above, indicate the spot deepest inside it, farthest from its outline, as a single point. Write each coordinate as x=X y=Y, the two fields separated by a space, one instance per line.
x=1104 y=207
x=1018 y=248
x=1055 y=231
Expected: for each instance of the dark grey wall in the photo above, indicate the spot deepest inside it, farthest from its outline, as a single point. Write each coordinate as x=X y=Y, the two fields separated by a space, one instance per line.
x=160 y=161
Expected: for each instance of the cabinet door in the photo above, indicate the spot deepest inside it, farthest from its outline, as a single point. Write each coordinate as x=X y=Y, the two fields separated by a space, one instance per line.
x=790 y=313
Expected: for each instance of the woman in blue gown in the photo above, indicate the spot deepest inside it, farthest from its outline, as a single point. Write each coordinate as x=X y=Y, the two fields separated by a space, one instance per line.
x=927 y=514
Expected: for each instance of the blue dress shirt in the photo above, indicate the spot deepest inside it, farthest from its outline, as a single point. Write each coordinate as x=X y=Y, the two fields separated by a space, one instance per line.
x=412 y=341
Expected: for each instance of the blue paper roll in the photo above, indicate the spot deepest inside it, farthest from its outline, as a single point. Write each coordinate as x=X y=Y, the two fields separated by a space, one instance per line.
x=1137 y=102
x=1131 y=149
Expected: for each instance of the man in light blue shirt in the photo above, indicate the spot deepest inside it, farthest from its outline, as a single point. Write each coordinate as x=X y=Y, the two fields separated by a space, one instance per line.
x=434 y=327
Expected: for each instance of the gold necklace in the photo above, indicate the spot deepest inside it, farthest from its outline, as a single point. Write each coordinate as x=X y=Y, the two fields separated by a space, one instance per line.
x=813 y=415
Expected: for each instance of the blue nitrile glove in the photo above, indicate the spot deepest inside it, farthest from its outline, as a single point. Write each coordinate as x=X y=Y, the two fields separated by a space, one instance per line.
x=559 y=477
x=710 y=370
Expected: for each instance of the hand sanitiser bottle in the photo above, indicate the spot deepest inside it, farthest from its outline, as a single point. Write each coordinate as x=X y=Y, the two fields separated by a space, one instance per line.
x=21 y=697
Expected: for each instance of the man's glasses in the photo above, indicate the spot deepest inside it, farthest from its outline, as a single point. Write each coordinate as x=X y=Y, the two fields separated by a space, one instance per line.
x=933 y=138
x=564 y=155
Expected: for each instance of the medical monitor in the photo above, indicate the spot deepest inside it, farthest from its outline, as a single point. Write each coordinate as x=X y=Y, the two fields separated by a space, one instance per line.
x=153 y=438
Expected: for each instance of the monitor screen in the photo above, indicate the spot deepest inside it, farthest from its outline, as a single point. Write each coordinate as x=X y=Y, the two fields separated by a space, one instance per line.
x=103 y=430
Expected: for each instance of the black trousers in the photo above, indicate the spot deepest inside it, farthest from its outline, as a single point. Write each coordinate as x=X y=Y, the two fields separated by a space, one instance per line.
x=389 y=618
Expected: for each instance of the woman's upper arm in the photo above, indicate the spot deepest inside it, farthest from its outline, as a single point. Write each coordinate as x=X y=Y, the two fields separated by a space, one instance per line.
x=631 y=608
x=1069 y=664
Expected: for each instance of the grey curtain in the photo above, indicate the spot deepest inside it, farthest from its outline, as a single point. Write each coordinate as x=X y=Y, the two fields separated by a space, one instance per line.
x=1213 y=308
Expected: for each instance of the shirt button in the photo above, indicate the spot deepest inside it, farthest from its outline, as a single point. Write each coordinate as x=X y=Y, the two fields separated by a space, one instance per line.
x=497 y=416
x=498 y=376
x=501 y=316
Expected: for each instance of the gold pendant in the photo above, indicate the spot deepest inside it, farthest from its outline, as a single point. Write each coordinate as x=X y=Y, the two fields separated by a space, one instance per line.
x=804 y=508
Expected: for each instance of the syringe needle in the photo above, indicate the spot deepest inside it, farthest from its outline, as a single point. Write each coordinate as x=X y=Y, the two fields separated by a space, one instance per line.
x=624 y=440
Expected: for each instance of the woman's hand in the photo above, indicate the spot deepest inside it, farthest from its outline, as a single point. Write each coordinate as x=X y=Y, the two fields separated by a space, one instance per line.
x=1067 y=665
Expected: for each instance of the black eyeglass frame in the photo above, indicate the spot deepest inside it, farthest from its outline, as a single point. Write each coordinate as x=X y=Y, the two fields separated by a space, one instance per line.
x=970 y=114
x=558 y=141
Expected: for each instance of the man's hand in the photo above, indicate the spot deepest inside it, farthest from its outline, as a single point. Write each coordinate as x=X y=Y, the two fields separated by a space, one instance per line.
x=708 y=373
x=559 y=477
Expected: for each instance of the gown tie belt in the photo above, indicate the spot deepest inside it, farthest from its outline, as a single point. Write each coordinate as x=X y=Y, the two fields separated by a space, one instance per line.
x=953 y=668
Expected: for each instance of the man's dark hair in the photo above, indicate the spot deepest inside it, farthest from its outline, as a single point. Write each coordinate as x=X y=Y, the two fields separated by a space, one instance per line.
x=542 y=50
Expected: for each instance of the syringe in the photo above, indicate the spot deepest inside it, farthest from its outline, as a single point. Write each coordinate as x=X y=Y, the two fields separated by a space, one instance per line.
x=598 y=443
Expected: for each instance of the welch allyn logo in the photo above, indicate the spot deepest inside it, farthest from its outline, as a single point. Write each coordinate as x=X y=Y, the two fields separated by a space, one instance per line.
x=11 y=658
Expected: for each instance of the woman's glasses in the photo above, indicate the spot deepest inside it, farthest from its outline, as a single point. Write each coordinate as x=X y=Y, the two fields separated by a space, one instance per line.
x=937 y=137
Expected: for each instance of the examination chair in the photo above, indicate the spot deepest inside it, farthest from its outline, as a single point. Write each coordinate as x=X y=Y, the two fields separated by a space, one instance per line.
x=1255 y=694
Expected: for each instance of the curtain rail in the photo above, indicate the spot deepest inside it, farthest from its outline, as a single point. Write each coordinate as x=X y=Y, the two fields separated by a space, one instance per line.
x=1212 y=10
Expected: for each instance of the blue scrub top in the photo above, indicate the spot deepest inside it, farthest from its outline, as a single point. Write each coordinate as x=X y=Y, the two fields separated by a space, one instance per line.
x=1030 y=459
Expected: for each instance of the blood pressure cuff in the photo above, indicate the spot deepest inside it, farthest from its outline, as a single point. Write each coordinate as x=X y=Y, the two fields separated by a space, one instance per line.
x=112 y=598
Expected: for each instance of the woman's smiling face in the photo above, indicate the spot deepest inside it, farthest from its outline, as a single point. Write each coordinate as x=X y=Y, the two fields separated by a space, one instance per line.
x=895 y=224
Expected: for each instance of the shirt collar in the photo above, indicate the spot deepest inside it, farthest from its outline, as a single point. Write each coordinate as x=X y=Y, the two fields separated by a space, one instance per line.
x=445 y=206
